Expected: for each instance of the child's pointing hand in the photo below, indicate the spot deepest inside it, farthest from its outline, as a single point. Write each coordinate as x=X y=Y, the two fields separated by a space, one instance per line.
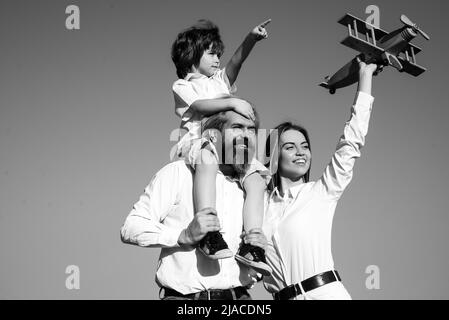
x=259 y=32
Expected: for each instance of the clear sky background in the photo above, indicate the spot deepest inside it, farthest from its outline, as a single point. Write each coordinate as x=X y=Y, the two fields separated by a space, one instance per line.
x=85 y=119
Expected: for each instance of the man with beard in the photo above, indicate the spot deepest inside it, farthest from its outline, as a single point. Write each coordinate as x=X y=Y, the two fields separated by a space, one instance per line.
x=164 y=218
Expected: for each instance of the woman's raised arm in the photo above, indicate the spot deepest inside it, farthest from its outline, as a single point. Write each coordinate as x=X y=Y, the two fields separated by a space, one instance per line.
x=338 y=173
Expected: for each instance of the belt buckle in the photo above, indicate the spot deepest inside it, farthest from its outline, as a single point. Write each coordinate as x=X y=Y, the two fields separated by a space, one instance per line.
x=336 y=275
x=297 y=290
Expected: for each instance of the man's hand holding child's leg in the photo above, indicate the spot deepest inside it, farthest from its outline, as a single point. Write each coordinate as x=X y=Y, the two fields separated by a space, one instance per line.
x=204 y=221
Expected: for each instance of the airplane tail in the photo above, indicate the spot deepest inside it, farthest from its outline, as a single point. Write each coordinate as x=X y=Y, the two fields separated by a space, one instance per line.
x=325 y=84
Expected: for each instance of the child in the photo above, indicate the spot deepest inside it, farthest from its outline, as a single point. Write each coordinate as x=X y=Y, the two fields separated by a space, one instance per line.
x=202 y=90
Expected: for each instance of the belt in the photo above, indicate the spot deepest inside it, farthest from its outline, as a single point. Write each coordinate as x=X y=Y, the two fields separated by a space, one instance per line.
x=309 y=284
x=213 y=294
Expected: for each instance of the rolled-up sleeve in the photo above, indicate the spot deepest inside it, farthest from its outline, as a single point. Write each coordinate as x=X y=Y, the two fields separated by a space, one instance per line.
x=144 y=225
x=339 y=171
x=184 y=94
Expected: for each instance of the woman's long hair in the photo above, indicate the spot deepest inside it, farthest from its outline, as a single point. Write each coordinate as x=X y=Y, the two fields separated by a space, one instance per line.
x=272 y=149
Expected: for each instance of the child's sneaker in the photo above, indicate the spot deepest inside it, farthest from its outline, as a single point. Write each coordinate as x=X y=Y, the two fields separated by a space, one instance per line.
x=253 y=257
x=214 y=247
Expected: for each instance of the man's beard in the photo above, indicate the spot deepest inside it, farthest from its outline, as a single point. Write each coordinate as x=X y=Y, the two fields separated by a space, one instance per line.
x=242 y=158
x=241 y=169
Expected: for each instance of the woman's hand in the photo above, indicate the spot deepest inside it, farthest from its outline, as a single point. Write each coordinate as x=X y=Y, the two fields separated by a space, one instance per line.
x=366 y=72
x=368 y=68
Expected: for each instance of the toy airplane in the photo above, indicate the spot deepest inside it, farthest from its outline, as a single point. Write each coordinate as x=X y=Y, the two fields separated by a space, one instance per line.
x=378 y=46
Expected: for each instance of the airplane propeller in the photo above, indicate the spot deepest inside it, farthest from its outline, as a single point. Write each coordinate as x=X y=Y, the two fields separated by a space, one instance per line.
x=409 y=23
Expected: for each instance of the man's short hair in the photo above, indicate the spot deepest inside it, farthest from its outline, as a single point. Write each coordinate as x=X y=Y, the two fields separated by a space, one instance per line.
x=218 y=120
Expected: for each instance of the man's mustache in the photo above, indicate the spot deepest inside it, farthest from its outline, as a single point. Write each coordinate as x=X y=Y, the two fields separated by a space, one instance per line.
x=241 y=141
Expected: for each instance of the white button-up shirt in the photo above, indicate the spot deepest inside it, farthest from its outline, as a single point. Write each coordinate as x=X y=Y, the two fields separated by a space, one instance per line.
x=298 y=225
x=196 y=86
x=165 y=209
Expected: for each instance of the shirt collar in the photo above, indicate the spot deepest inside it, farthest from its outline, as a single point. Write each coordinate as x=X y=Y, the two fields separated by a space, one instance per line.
x=197 y=75
x=291 y=192
x=294 y=191
x=275 y=193
x=194 y=75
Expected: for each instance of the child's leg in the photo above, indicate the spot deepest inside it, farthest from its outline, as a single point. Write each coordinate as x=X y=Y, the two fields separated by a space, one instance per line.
x=253 y=211
x=253 y=208
x=204 y=194
x=204 y=187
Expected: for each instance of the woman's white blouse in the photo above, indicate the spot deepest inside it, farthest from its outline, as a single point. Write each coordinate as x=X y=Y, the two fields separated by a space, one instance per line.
x=298 y=225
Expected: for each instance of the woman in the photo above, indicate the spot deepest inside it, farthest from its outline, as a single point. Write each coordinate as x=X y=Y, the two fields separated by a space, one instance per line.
x=298 y=218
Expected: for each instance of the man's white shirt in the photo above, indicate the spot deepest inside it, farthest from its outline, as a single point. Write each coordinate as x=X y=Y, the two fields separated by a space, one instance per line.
x=165 y=209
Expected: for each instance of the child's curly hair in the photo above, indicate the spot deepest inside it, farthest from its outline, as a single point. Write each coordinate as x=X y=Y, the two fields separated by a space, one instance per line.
x=191 y=43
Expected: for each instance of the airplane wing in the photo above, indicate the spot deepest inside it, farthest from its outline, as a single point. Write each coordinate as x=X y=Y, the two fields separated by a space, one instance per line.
x=362 y=26
x=411 y=68
x=411 y=47
x=363 y=46
x=408 y=60
x=362 y=37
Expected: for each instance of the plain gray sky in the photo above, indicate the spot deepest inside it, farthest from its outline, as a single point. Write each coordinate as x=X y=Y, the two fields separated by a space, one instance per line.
x=85 y=118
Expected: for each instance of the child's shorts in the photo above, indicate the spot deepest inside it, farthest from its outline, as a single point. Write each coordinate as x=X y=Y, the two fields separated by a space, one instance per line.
x=193 y=158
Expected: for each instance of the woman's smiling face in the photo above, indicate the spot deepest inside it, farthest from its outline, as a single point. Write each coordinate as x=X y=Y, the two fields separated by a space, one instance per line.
x=295 y=156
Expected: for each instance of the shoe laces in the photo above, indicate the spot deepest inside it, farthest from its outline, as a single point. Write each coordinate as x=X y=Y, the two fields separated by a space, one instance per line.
x=258 y=253
x=214 y=241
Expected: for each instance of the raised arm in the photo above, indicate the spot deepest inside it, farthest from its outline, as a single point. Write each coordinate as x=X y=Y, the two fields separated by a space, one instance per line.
x=338 y=173
x=234 y=65
x=366 y=76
